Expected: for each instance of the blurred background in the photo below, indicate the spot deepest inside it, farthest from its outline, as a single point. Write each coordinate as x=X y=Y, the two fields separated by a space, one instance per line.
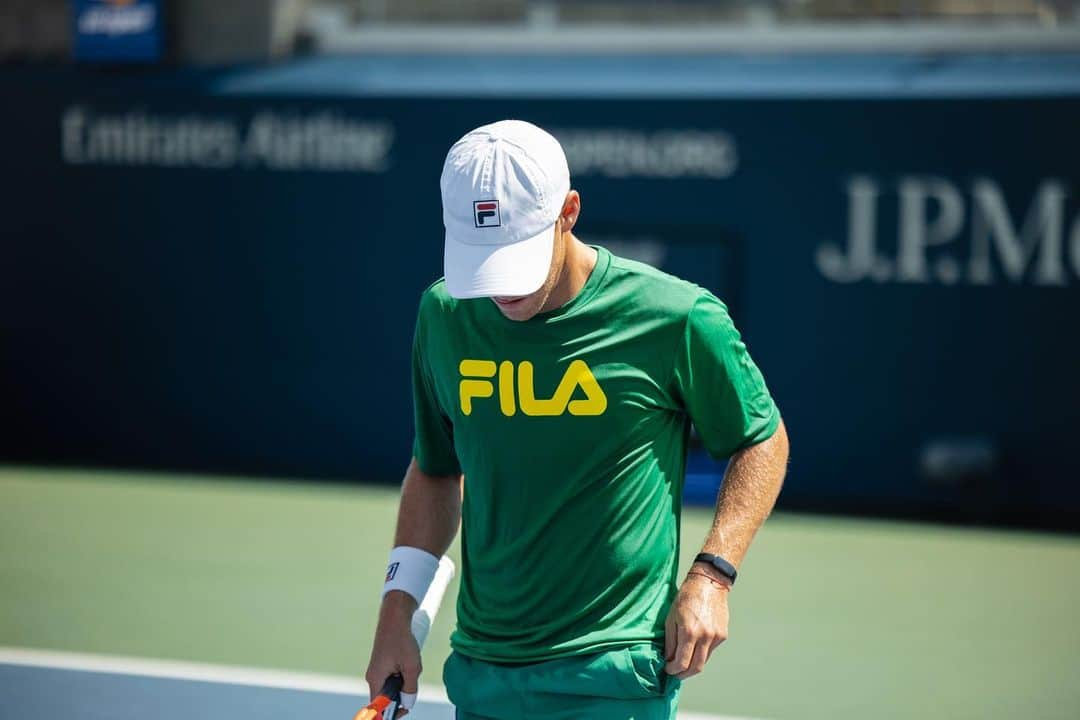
x=219 y=217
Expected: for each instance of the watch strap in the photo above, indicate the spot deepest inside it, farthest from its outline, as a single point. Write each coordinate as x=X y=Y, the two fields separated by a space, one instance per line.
x=721 y=565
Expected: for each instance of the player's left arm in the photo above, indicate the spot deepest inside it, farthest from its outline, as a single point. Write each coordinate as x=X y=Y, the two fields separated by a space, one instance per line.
x=698 y=619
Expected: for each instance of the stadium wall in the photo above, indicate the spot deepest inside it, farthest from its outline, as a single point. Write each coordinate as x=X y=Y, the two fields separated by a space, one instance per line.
x=218 y=269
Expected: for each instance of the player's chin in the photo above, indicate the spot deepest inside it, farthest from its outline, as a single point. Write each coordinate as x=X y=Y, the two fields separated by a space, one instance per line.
x=518 y=309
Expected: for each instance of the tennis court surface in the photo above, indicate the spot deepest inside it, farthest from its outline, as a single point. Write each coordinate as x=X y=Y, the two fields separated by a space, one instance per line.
x=47 y=686
x=833 y=620
x=68 y=686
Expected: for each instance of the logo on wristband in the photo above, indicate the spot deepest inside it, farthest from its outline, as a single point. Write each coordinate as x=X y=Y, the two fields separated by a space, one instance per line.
x=391 y=571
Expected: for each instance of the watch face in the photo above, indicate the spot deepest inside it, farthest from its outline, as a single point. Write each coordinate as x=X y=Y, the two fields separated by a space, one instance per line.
x=720 y=564
x=726 y=569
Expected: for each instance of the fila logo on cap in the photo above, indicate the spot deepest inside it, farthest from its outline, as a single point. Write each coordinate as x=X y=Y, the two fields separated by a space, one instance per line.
x=486 y=213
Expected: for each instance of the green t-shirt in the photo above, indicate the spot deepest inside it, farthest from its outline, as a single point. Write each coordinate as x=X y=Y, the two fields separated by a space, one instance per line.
x=571 y=429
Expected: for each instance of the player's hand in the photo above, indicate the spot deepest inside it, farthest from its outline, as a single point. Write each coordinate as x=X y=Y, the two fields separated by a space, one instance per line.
x=696 y=624
x=394 y=649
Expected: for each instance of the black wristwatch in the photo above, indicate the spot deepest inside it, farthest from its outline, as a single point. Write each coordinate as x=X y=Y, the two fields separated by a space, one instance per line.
x=722 y=566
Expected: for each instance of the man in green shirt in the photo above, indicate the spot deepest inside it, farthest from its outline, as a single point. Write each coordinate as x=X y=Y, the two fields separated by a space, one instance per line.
x=554 y=388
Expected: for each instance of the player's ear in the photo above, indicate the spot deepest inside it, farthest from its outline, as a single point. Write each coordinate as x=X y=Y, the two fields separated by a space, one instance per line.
x=571 y=209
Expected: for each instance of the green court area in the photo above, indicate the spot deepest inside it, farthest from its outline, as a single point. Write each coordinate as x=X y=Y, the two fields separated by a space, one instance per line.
x=837 y=619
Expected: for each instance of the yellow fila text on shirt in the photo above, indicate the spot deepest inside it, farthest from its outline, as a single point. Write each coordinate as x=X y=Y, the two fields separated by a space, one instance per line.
x=476 y=383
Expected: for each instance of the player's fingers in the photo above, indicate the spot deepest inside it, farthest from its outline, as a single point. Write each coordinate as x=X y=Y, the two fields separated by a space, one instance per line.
x=684 y=652
x=717 y=639
x=410 y=675
x=697 y=662
x=375 y=677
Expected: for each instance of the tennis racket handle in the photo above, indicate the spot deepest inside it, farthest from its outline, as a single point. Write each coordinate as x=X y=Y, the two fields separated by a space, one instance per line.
x=389 y=695
x=392 y=687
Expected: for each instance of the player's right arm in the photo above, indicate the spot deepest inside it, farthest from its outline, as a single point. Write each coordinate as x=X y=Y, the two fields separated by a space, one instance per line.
x=428 y=519
x=429 y=513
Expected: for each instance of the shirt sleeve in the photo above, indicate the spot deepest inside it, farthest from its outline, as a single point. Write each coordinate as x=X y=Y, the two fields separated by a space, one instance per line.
x=719 y=385
x=433 y=442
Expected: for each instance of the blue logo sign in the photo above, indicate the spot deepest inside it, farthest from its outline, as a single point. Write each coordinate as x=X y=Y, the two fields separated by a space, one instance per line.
x=118 y=30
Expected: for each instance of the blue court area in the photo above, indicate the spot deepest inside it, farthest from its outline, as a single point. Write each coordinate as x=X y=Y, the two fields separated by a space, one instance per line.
x=48 y=685
x=32 y=689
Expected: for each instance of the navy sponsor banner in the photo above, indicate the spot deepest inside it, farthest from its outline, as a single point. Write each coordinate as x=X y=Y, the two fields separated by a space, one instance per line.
x=216 y=280
x=118 y=30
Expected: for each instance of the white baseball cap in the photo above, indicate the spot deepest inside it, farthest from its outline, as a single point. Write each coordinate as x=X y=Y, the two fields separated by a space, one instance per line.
x=503 y=187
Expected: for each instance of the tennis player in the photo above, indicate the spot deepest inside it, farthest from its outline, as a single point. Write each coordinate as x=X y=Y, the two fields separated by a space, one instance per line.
x=554 y=387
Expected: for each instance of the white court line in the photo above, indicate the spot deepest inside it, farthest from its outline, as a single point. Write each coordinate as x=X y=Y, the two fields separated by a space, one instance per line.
x=203 y=672
x=226 y=674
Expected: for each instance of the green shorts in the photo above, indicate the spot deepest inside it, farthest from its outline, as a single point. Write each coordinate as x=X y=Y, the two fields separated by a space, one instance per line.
x=625 y=684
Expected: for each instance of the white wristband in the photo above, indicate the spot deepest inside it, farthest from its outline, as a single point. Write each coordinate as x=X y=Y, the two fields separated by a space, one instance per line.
x=407 y=700
x=410 y=570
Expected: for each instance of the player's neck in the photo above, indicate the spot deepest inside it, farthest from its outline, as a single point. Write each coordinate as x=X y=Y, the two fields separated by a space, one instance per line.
x=578 y=265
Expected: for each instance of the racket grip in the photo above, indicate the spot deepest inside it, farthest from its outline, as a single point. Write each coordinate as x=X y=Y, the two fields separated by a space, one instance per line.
x=392 y=687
